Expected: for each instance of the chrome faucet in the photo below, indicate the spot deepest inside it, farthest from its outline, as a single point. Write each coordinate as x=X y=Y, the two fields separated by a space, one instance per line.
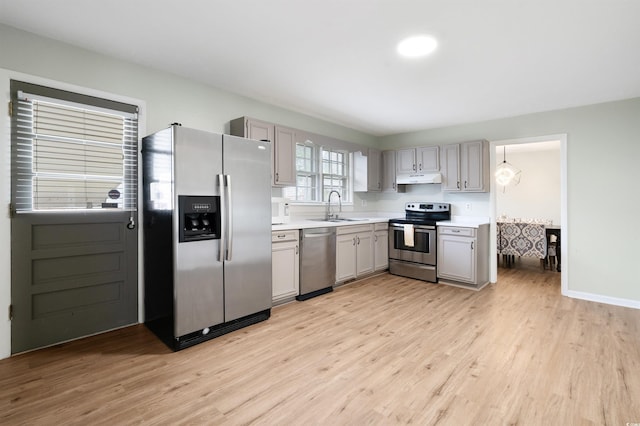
x=331 y=215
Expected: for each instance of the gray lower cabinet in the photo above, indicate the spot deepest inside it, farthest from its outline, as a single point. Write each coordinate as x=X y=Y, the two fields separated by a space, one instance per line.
x=285 y=265
x=354 y=252
x=463 y=255
x=381 y=246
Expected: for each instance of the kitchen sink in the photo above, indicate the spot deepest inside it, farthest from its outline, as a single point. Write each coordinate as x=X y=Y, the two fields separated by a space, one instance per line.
x=341 y=219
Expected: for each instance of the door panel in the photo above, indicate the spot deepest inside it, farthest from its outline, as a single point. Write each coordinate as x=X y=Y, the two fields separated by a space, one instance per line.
x=472 y=165
x=284 y=154
x=198 y=287
x=364 y=255
x=73 y=275
x=248 y=273
x=406 y=160
x=450 y=167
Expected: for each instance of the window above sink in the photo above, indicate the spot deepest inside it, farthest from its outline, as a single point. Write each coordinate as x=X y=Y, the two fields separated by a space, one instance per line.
x=319 y=170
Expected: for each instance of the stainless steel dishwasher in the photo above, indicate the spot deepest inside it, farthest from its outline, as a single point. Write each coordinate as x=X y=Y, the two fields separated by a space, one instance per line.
x=317 y=262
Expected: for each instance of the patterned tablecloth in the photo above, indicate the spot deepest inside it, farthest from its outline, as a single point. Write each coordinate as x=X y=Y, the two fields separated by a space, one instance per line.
x=522 y=239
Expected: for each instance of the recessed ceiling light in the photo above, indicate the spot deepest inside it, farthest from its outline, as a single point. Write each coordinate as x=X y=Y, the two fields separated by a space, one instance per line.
x=416 y=46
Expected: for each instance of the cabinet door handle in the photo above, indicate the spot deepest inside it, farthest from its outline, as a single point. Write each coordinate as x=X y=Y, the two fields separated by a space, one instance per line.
x=282 y=235
x=358 y=240
x=458 y=184
x=277 y=177
x=354 y=241
x=296 y=249
x=465 y=184
x=414 y=167
x=471 y=245
x=375 y=238
x=420 y=166
x=394 y=185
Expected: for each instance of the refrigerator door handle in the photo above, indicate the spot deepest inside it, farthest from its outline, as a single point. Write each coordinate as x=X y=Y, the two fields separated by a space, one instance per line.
x=223 y=218
x=229 y=219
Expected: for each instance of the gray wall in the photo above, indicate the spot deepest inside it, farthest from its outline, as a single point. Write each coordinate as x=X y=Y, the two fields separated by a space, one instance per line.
x=603 y=154
x=168 y=99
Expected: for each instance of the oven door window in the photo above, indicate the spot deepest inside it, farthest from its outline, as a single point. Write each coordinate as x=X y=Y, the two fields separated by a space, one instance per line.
x=420 y=240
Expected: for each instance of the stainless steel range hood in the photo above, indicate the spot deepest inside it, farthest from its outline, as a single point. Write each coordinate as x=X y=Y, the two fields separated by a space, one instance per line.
x=415 y=178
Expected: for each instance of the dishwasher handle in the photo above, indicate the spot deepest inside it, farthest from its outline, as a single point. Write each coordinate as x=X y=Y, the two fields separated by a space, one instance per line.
x=323 y=234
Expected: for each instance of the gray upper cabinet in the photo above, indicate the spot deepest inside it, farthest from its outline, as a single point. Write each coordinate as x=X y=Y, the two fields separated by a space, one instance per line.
x=259 y=130
x=417 y=160
x=465 y=166
x=406 y=161
x=367 y=173
x=474 y=165
x=283 y=148
x=389 y=172
x=284 y=154
x=428 y=159
x=251 y=128
x=451 y=167
x=374 y=174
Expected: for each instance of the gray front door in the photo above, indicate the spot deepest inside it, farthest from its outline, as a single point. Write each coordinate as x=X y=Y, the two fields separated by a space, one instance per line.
x=72 y=275
x=74 y=241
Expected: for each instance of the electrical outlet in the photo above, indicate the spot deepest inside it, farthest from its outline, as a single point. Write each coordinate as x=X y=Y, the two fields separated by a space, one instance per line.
x=468 y=206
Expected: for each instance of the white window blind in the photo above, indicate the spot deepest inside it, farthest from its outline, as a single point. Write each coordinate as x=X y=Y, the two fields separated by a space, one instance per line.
x=69 y=156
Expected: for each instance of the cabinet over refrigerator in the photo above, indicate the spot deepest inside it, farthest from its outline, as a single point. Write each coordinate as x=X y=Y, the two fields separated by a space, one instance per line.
x=207 y=234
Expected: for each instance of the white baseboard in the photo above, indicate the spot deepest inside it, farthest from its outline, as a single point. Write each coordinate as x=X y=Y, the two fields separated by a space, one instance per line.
x=627 y=303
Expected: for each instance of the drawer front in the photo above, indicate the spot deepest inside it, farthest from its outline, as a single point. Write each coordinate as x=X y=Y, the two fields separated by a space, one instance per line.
x=453 y=230
x=354 y=229
x=289 y=235
x=381 y=226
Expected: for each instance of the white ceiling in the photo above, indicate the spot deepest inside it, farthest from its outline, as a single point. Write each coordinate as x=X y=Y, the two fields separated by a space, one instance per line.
x=336 y=60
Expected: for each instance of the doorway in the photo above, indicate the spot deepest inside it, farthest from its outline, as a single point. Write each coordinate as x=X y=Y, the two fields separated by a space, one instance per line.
x=559 y=218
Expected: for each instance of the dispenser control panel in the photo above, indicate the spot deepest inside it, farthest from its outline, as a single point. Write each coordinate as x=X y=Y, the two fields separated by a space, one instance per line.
x=199 y=218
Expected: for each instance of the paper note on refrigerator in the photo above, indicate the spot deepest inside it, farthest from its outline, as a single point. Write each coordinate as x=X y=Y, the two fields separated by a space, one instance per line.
x=408 y=235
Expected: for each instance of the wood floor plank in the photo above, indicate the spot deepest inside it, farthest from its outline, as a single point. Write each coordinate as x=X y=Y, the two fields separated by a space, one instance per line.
x=385 y=350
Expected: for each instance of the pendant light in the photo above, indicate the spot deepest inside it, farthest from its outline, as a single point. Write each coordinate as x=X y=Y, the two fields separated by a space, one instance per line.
x=506 y=173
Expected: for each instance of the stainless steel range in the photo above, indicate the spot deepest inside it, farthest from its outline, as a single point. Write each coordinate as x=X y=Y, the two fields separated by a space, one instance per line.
x=413 y=240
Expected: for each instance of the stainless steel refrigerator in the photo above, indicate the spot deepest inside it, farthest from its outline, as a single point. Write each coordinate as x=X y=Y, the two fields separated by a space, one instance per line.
x=207 y=234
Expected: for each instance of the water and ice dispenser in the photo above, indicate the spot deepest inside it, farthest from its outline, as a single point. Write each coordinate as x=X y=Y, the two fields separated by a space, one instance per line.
x=199 y=218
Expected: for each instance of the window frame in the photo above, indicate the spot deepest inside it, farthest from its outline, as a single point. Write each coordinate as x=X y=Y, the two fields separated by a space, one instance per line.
x=318 y=174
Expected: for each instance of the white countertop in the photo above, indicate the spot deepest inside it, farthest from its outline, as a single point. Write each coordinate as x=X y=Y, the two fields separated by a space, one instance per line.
x=301 y=223
x=465 y=221
x=310 y=223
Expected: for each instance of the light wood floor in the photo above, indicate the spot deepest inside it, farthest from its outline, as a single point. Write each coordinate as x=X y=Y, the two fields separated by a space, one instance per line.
x=386 y=350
